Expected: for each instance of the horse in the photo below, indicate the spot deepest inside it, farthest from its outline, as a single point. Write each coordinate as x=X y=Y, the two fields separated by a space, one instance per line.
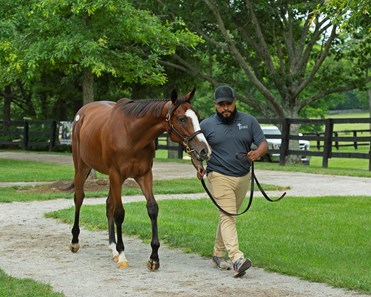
x=118 y=139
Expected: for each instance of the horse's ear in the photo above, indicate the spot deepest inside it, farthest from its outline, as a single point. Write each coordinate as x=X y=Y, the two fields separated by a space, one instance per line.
x=190 y=95
x=174 y=96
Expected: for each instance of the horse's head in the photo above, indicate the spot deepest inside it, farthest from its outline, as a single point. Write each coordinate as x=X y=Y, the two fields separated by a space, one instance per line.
x=184 y=128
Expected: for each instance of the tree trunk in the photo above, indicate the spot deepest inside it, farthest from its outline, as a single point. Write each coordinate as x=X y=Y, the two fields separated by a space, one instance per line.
x=44 y=105
x=369 y=101
x=294 y=145
x=6 y=106
x=87 y=86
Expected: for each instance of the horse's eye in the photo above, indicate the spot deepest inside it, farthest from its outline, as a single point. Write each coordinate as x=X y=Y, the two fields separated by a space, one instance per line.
x=183 y=119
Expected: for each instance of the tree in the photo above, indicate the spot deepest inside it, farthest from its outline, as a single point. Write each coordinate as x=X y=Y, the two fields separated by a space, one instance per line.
x=272 y=52
x=89 y=38
x=354 y=17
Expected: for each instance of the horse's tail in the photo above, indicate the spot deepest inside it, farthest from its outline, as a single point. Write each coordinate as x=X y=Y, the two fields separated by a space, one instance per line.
x=67 y=188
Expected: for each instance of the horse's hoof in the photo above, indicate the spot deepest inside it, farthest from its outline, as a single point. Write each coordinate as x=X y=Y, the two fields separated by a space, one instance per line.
x=74 y=247
x=122 y=265
x=153 y=265
x=115 y=258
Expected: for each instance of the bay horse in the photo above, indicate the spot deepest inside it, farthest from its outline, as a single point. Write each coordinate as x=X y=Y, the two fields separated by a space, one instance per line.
x=117 y=139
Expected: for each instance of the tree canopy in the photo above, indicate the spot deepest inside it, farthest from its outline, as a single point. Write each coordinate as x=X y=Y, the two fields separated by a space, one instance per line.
x=275 y=53
x=284 y=58
x=88 y=39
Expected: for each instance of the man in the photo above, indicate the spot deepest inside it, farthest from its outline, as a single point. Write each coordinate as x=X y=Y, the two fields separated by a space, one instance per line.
x=229 y=133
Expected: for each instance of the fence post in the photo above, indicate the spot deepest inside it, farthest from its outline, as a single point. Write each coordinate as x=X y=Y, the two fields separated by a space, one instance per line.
x=284 y=141
x=180 y=151
x=26 y=128
x=156 y=143
x=355 y=141
x=327 y=144
x=53 y=134
x=318 y=141
x=172 y=153
x=336 y=134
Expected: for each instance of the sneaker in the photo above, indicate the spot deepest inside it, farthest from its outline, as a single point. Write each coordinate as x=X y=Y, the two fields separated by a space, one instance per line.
x=240 y=266
x=220 y=262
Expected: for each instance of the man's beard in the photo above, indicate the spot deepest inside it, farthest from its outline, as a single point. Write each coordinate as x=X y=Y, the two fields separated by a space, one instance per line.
x=227 y=120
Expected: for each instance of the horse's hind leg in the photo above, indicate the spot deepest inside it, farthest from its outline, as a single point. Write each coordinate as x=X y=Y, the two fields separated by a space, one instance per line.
x=80 y=176
x=145 y=184
x=111 y=227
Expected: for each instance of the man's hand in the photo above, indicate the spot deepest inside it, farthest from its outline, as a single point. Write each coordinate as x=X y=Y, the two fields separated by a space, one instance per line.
x=259 y=152
x=253 y=156
x=200 y=168
x=201 y=173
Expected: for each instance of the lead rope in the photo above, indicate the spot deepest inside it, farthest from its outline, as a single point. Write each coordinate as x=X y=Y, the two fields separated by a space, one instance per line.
x=253 y=178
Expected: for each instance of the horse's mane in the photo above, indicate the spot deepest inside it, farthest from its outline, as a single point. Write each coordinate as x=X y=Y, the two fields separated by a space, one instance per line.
x=141 y=107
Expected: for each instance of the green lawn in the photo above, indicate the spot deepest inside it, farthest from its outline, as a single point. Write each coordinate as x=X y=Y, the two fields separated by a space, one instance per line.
x=13 y=287
x=324 y=239
x=355 y=126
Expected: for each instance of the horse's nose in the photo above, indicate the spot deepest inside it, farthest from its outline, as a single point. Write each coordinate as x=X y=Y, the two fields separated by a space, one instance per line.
x=204 y=154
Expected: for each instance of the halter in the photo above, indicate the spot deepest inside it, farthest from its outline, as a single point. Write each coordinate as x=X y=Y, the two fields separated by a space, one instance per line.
x=185 y=140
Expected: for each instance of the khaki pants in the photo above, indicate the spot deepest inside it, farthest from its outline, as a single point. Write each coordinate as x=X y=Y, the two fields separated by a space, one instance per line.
x=228 y=192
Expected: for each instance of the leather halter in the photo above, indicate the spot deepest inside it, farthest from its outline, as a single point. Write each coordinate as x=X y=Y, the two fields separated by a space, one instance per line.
x=185 y=140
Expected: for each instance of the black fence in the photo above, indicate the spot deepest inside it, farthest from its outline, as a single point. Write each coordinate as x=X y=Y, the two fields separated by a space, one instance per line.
x=49 y=135
x=29 y=134
x=326 y=141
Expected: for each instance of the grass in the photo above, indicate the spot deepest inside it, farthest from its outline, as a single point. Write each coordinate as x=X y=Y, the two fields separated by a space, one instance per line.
x=175 y=186
x=19 y=171
x=35 y=171
x=30 y=171
x=320 y=239
x=14 y=287
x=353 y=126
x=341 y=167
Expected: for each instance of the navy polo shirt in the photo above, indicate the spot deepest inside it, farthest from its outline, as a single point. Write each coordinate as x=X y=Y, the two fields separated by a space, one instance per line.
x=227 y=140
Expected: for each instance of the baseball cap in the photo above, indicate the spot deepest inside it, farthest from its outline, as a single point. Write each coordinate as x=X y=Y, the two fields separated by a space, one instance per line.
x=223 y=94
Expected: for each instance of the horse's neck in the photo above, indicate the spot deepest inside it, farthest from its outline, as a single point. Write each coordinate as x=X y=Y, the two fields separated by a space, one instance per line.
x=147 y=131
x=154 y=127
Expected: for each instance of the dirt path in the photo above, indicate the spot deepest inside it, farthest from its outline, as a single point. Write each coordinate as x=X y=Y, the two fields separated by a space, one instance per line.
x=35 y=247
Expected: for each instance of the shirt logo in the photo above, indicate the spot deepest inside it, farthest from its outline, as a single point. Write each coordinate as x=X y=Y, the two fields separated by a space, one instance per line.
x=241 y=127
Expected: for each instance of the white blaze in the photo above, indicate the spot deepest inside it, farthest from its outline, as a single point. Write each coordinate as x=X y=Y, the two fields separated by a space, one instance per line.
x=196 y=125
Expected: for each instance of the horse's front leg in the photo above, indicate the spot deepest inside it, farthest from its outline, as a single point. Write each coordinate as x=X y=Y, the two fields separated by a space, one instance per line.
x=111 y=227
x=145 y=184
x=118 y=216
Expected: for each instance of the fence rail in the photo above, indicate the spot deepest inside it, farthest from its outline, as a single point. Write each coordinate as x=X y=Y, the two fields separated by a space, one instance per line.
x=329 y=138
x=50 y=134
x=29 y=133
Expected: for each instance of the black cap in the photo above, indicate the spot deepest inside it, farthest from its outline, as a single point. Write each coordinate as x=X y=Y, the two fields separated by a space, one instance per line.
x=223 y=94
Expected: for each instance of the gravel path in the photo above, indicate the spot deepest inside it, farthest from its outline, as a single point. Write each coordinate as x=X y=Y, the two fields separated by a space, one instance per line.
x=35 y=247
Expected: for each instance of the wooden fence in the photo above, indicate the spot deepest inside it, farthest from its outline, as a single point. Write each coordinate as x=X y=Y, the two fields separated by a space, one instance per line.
x=327 y=140
x=29 y=134
x=50 y=134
